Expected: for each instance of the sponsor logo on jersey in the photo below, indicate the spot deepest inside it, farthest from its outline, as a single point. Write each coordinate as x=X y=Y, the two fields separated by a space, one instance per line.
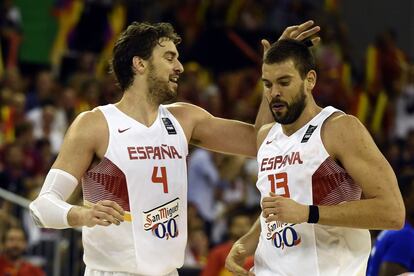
x=308 y=133
x=169 y=126
x=280 y=161
x=123 y=130
x=162 y=220
x=282 y=234
x=149 y=152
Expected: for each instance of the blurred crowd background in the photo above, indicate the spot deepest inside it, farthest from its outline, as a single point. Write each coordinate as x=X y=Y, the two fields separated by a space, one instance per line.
x=54 y=65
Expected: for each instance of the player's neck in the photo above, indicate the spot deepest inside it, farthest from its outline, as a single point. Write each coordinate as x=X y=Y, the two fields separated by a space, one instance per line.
x=137 y=106
x=310 y=111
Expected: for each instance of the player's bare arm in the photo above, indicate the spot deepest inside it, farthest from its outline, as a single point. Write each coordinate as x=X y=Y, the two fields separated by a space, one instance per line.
x=381 y=206
x=241 y=249
x=222 y=135
x=80 y=145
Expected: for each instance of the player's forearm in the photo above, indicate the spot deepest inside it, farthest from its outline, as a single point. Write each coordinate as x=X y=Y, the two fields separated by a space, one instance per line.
x=264 y=116
x=368 y=214
x=251 y=239
x=50 y=209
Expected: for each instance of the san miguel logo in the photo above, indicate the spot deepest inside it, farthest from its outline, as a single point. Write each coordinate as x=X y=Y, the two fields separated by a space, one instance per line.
x=162 y=220
x=282 y=235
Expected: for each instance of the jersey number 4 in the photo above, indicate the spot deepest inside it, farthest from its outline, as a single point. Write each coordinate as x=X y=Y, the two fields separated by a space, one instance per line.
x=279 y=181
x=160 y=179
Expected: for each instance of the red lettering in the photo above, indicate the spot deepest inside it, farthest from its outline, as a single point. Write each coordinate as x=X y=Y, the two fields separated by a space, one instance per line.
x=271 y=163
x=132 y=152
x=278 y=160
x=165 y=150
x=149 y=151
x=297 y=158
x=174 y=152
x=157 y=153
x=142 y=153
x=264 y=162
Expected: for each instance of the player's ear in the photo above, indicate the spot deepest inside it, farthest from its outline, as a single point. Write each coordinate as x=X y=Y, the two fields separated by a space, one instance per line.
x=310 y=80
x=139 y=65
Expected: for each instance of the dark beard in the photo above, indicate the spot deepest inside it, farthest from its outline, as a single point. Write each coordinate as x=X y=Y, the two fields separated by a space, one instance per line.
x=294 y=110
x=159 y=91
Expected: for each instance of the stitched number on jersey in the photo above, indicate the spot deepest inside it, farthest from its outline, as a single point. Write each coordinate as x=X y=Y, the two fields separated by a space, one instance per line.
x=279 y=181
x=160 y=179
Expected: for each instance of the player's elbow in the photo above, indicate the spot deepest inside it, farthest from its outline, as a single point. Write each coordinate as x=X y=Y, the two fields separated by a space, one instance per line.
x=35 y=213
x=396 y=216
x=400 y=218
x=48 y=211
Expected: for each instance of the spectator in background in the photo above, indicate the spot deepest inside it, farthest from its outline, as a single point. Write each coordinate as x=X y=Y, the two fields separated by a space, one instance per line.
x=203 y=179
x=239 y=224
x=405 y=106
x=12 y=262
x=49 y=122
x=196 y=251
x=13 y=173
x=7 y=220
x=393 y=253
x=43 y=90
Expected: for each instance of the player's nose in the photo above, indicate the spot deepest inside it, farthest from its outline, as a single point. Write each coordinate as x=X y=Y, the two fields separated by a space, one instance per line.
x=179 y=67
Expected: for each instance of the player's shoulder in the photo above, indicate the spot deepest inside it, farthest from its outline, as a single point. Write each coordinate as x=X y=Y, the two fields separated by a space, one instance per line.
x=183 y=107
x=341 y=126
x=89 y=123
x=341 y=133
x=187 y=113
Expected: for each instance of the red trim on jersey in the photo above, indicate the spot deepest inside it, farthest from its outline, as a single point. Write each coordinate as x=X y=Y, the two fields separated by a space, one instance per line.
x=106 y=182
x=331 y=184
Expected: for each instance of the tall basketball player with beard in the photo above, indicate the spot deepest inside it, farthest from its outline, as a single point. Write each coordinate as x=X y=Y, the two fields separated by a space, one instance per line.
x=323 y=181
x=136 y=197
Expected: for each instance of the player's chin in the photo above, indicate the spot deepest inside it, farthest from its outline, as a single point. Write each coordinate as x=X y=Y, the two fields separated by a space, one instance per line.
x=173 y=85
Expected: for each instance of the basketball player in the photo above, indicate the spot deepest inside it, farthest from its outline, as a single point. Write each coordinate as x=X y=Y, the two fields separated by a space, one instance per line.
x=135 y=198
x=323 y=181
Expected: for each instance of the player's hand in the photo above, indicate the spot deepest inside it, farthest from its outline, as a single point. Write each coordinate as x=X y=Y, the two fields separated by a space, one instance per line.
x=104 y=212
x=279 y=208
x=298 y=32
x=235 y=260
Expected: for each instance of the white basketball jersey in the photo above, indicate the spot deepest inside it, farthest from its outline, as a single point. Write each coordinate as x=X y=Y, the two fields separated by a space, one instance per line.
x=144 y=170
x=298 y=166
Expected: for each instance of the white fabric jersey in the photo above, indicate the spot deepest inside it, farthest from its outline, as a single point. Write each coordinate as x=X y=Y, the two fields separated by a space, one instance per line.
x=298 y=166
x=144 y=170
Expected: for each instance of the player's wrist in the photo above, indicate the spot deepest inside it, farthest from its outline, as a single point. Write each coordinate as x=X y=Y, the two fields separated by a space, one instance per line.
x=313 y=215
x=77 y=216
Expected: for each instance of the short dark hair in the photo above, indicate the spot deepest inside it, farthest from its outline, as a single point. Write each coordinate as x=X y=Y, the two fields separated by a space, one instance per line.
x=286 y=49
x=139 y=39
